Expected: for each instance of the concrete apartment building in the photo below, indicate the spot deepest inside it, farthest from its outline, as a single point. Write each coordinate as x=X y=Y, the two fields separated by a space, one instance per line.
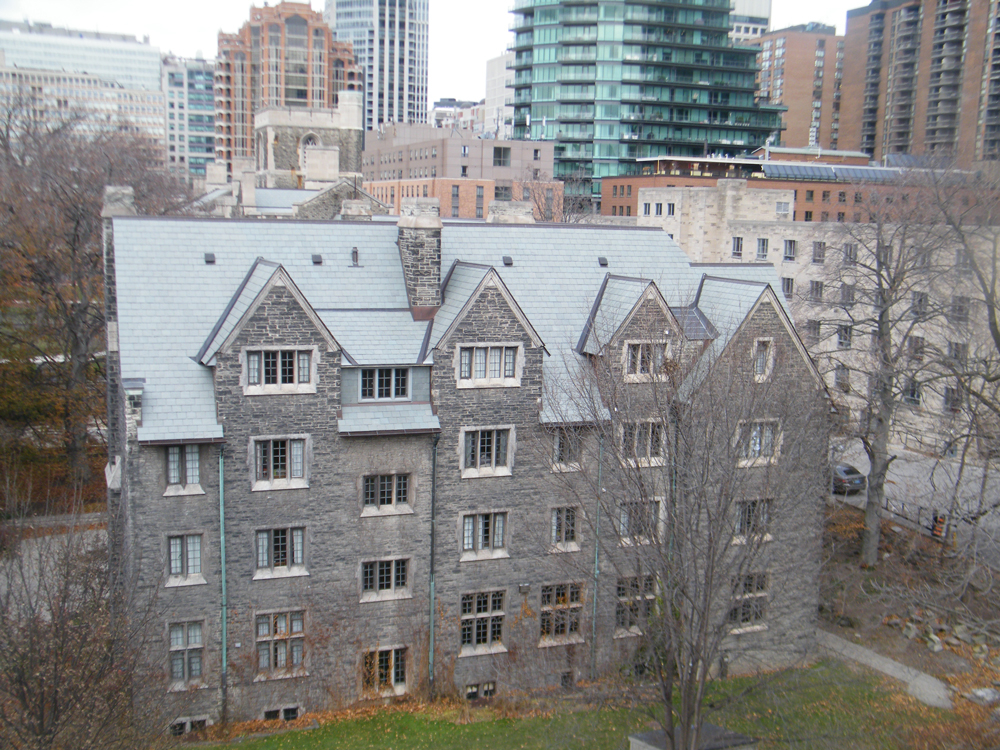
x=189 y=88
x=390 y=39
x=749 y=20
x=111 y=79
x=499 y=104
x=919 y=79
x=813 y=101
x=283 y=56
x=404 y=161
x=339 y=491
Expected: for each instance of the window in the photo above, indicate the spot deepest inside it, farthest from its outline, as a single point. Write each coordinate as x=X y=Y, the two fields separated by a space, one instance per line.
x=280 y=552
x=915 y=348
x=850 y=254
x=562 y=605
x=186 y=644
x=487 y=452
x=841 y=216
x=614 y=191
x=184 y=560
x=787 y=286
x=638 y=522
x=959 y=312
x=492 y=366
x=963 y=261
x=485 y=690
x=858 y=197
x=761 y=249
x=737 y=247
x=644 y=360
x=759 y=442
x=763 y=359
x=537 y=155
x=385 y=492
x=482 y=622
x=812 y=331
x=270 y=371
x=749 y=603
x=845 y=336
x=781 y=208
x=808 y=216
x=565 y=449
x=642 y=443
x=670 y=209
x=479 y=201
x=953 y=398
x=791 y=249
x=501 y=156
x=385 y=383
x=646 y=209
x=280 y=642
x=911 y=393
x=659 y=209
x=815 y=291
x=385 y=579
x=629 y=191
x=384 y=671
x=819 y=253
x=810 y=195
x=958 y=352
x=636 y=595
x=918 y=306
x=454 y=202
x=847 y=294
x=279 y=463
x=826 y=196
x=465 y=151
x=183 y=470
x=564 y=528
x=752 y=519
x=484 y=533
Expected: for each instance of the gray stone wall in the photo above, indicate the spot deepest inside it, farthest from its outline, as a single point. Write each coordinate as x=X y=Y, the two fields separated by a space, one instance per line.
x=288 y=139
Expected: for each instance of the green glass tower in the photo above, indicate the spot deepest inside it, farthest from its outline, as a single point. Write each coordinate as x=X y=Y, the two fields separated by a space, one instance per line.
x=612 y=81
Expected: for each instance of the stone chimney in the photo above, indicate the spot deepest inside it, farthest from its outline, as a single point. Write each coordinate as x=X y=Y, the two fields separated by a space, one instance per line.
x=511 y=212
x=420 y=253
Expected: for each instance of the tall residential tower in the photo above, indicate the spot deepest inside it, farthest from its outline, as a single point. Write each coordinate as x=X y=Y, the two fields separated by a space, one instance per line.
x=390 y=44
x=611 y=82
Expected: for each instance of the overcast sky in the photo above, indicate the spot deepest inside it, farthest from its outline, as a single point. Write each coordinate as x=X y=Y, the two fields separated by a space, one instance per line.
x=463 y=34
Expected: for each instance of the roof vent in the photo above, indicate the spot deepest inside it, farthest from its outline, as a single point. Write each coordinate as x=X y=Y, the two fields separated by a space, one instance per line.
x=602 y=261
x=508 y=261
x=209 y=259
x=354 y=256
x=317 y=260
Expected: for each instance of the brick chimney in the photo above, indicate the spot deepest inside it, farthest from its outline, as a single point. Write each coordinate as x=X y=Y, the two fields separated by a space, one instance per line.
x=420 y=253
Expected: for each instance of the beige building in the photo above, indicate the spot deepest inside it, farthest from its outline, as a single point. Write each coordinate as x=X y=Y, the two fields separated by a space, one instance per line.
x=817 y=262
x=468 y=198
x=801 y=68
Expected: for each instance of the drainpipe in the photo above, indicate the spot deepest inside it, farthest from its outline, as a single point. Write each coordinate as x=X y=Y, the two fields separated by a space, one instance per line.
x=225 y=603
x=597 y=553
x=430 y=652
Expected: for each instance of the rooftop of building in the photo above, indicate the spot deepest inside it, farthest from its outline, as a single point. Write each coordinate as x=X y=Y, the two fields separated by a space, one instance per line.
x=813 y=27
x=47 y=29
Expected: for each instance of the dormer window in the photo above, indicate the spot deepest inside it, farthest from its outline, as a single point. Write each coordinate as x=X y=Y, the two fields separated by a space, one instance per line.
x=385 y=383
x=274 y=371
x=643 y=360
x=489 y=366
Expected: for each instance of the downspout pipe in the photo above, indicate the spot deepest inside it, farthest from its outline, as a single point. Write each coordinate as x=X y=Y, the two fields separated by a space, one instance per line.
x=430 y=649
x=597 y=555
x=225 y=602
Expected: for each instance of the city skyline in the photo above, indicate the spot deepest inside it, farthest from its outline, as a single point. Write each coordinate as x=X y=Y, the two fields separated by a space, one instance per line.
x=181 y=33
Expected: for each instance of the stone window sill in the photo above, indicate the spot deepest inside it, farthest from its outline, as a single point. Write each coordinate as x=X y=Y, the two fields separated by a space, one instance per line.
x=748 y=629
x=377 y=511
x=279 y=390
x=562 y=640
x=386 y=596
x=283 y=675
x=562 y=547
x=186 y=687
x=484 y=650
x=291 y=571
x=565 y=468
x=280 y=484
x=629 y=633
x=484 y=554
x=500 y=471
x=178 y=490
x=742 y=539
x=197 y=579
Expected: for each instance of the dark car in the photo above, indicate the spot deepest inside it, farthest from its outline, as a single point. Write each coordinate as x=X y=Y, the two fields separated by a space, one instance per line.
x=847 y=479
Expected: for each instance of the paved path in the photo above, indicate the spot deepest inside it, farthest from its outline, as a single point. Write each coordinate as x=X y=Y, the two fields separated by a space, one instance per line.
x=923 y=687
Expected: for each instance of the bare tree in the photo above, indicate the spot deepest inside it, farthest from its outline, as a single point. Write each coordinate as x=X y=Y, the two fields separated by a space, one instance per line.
x=699 y=469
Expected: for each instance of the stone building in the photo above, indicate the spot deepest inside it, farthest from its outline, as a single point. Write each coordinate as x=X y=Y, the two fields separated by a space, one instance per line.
x=336 y=459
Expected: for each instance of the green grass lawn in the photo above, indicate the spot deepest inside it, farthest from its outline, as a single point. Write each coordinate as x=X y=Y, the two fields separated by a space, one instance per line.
x=826 y=706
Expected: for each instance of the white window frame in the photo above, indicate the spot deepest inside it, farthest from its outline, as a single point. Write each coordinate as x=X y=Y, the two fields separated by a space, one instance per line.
x=183 y=486
x=641 y=592
x=390 y=687
x=396 y=507
x=630 y=345
x=470 y=535
x=376 y=594
x=296 y=544
x=288 y=637
x=647 y=457
x=474 y=381
x=392 y=386
x=570 y=436
x=761 y=600
x=748 y=460
x=298 y=387
x=562 y=519
x=568 y=613
x=186 y=649
x=473 y=615
x=473 y=472
x=183 y=544
x=753 y=521
x=762 y=248
x=286 y=483
x=761 y=377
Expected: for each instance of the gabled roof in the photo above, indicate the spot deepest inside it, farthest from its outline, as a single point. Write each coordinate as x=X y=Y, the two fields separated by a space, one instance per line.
x=617 y=302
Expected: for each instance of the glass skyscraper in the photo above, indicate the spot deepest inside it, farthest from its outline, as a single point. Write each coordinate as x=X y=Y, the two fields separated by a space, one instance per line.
x=612 y=81
x=390 y=44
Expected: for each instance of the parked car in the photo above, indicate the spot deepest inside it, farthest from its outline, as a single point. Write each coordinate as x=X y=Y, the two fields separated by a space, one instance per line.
x=847 y=479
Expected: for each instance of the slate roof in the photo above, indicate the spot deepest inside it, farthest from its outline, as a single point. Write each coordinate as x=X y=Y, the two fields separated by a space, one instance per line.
x=260 y=273
x=281 y=200
x=387 y=419
x=170 y=301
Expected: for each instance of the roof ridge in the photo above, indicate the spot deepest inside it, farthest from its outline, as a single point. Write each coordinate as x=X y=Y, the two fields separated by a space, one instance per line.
x=232 y=303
